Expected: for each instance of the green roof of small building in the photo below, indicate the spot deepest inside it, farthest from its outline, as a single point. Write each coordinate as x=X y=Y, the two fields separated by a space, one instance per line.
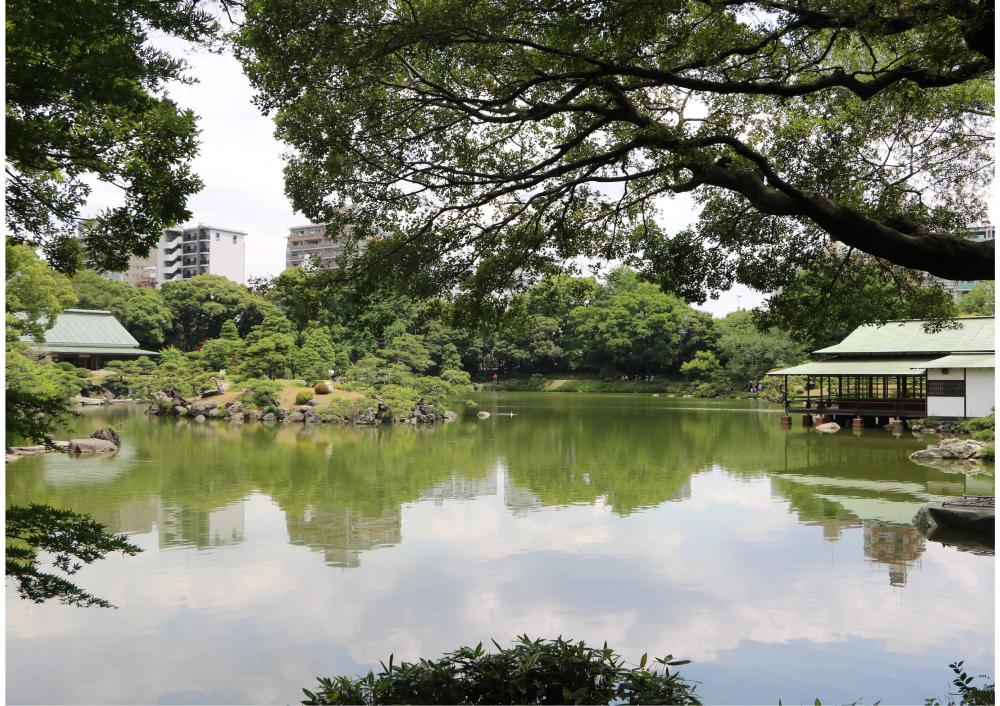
x=972 y=335
x=857 y=366
x=964 y=360
x=89 y=331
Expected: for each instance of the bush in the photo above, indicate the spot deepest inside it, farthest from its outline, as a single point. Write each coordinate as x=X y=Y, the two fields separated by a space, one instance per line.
x=68 y=367
x=321 y=388
x=981 y=428
x=531 y=672
x=303 y=397
x=82 y=373
x=260 y=392
x=344 y=410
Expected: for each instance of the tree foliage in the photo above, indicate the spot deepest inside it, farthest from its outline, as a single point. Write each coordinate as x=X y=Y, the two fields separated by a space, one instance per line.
x=202 y=304
x=981 y=300
x=34 y=294
x=749 y=352
x=70 y=538
x=36 y=395
x=86 y=100
x=503 y=138
x=833 y=295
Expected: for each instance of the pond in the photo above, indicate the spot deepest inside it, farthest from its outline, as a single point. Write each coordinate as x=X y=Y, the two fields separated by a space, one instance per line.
x=782 y=562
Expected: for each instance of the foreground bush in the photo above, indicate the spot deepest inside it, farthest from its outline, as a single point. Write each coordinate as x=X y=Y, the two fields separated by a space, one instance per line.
x=531 y=672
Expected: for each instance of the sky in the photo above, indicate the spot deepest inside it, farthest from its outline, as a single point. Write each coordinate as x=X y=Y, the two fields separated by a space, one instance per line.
x=240 y=163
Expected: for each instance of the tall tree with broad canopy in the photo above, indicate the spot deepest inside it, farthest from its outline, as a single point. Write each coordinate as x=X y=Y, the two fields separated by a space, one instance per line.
x=86 y=100
x=505 y=137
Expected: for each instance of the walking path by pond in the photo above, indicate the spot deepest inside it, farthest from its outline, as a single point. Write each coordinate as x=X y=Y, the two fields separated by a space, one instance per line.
x=782 y=562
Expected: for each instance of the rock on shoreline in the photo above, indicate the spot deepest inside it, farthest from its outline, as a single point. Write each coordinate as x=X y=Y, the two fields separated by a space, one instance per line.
x=951 y=455
x=104 y=440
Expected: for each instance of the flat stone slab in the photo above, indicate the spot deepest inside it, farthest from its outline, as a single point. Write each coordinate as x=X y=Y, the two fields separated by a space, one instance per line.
x=972 y=514
x=91 y=446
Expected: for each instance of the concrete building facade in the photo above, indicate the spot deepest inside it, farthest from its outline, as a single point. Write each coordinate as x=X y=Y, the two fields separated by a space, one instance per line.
x=183 y=253
x=310 y=245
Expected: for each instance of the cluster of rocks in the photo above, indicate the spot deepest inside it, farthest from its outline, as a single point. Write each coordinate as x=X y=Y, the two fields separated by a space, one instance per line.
x=308 y=413
x=952 y=455
x=936 y=426
x=101 y=441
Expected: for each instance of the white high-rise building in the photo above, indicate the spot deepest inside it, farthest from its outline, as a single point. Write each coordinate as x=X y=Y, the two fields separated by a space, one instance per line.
x=203 y=249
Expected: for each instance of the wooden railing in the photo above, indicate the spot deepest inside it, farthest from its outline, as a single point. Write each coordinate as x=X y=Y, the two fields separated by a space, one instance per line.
x=862 y=407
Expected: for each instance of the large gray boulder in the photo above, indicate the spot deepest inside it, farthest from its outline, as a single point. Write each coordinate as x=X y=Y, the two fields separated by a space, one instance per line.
x=108 y=434
x=295 y=416
x=369 y=416
x=269 y=417
x=950 y=448
x=197 y=408
x=91 y=446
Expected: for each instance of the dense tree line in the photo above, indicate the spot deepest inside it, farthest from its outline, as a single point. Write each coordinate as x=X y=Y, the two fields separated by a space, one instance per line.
x=299 y=325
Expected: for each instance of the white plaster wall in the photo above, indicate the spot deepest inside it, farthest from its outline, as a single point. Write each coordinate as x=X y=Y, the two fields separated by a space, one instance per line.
x=227 y=258
x=946 y=406
x=980 y=392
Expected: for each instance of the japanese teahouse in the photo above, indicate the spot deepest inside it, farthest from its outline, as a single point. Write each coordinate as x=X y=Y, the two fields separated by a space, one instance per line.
x=899 y=370
x=88 y=338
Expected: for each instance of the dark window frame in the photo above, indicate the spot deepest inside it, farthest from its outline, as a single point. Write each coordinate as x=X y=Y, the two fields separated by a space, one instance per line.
x=946 y=388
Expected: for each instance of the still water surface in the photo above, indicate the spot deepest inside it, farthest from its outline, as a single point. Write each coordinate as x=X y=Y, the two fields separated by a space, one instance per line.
x=781 y=562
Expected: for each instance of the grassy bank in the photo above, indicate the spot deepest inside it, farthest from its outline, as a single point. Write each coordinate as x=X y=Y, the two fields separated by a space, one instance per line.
x=561 y=382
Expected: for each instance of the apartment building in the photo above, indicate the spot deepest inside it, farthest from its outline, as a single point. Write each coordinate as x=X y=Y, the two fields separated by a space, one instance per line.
x=203 y=249
x=309 y=244
x=141 y=272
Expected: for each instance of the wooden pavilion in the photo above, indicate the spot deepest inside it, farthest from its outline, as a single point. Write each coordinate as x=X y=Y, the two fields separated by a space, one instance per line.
x=899 y=370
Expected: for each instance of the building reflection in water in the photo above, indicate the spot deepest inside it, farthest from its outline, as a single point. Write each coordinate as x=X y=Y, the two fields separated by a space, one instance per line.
x=342 y=534
x=897 y=546
x=175 y=525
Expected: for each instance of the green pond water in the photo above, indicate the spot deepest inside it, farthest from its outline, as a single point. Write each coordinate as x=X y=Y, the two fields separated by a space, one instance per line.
x=782 y=562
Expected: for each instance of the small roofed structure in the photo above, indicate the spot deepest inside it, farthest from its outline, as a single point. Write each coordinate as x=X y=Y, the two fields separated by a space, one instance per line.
x=899 y=369
x=88 y=338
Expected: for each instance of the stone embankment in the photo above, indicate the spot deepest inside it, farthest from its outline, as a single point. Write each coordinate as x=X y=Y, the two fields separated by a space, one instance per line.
x=309 y=413
x=936 y=426
x=101 y=441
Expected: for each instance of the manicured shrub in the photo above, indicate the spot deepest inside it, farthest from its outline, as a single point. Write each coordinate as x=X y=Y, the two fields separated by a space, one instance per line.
x=303 y=397
x=81 y=373
x=321 y=388
x=531 y=672
x=260 y=392
x=68 y=367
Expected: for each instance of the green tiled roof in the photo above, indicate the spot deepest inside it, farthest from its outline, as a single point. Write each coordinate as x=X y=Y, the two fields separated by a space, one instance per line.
x=980 y=360
x=857 y=366
x=97 y=350
x=974 y=335
x=89 y=331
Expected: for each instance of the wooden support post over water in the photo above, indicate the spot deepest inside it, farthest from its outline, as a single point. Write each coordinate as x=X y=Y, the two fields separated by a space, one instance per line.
x=807 y=420
x=786 y=421
x=857 y=424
